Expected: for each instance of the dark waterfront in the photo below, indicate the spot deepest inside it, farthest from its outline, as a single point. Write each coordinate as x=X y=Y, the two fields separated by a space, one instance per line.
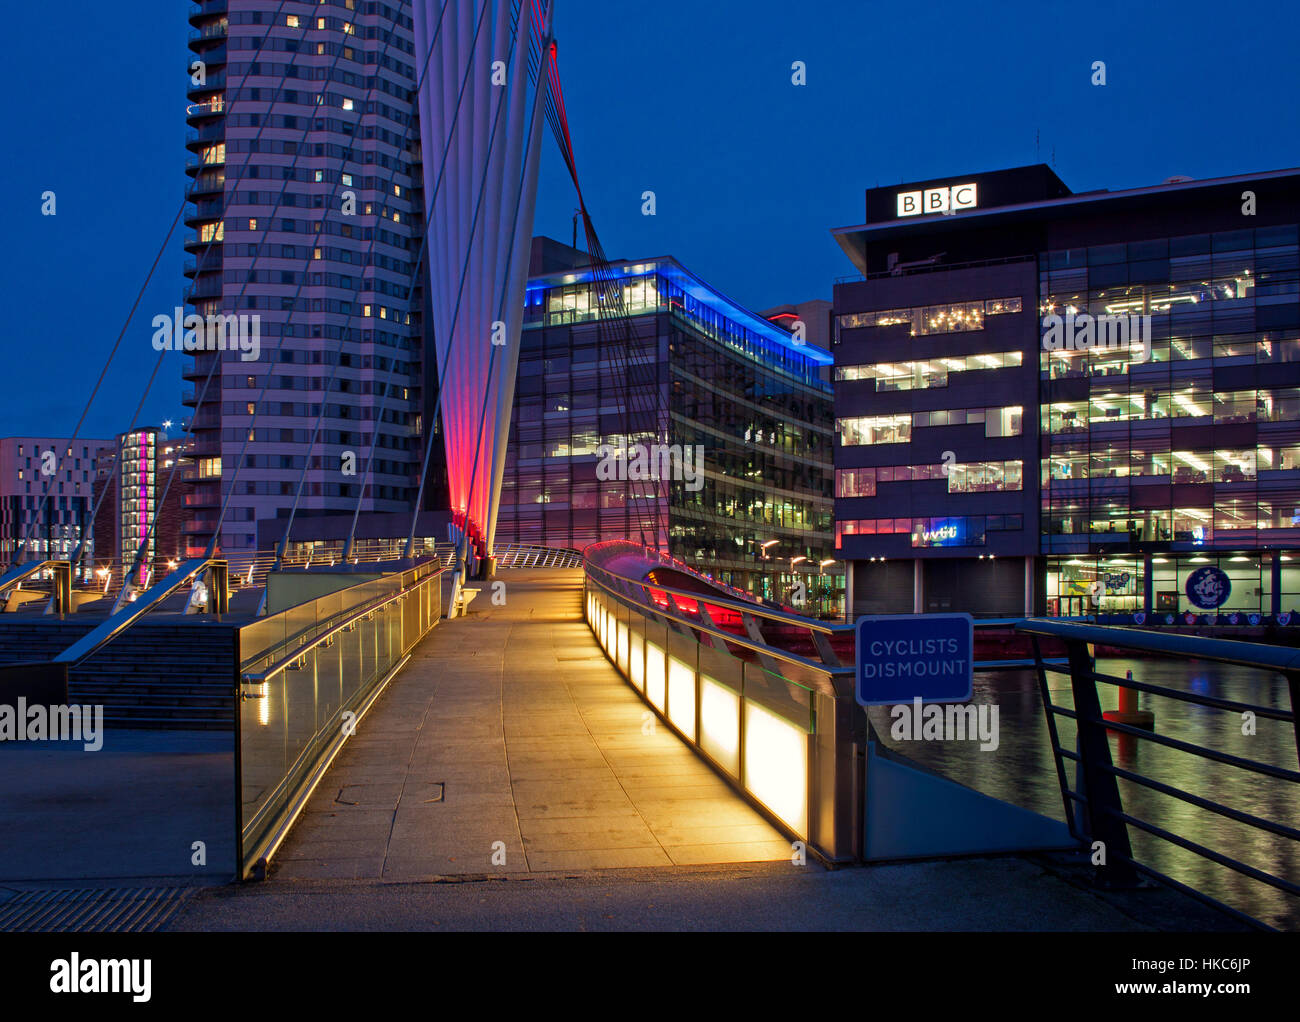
x=1021 y=771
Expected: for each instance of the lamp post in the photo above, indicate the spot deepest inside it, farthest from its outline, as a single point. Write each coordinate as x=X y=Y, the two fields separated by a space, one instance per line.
x=821 y=571
x=764 y=556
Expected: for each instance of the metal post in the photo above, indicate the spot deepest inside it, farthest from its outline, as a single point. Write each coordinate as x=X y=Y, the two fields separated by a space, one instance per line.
x=1100 y=784
x=1275 y=593
x=218 y=583
x=1293 y=683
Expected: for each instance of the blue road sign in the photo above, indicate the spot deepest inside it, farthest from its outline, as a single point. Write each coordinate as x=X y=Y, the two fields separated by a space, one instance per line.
x=902 y=657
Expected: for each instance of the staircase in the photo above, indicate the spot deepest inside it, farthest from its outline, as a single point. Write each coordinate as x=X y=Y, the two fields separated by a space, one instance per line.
x=156 y=675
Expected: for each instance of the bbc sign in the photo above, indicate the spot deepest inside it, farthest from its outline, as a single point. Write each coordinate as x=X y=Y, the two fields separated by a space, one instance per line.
x=937 y=200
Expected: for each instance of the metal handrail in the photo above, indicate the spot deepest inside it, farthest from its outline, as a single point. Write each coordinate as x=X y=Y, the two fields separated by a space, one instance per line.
x=364 y=611
x=124 y=618
x=1227 y=651
x=1102 y=816
x=757 y=609
x=694 y=623
x=509 y=555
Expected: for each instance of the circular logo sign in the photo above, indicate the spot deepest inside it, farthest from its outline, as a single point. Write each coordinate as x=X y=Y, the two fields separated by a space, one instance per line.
x=1208 y=588
x=1139 y=618
x=1253 y=619
x=1284 y=619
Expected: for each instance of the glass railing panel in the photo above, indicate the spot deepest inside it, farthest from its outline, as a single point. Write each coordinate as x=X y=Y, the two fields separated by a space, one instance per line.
x=683 y=652
x=721 y=688
x=295 y=716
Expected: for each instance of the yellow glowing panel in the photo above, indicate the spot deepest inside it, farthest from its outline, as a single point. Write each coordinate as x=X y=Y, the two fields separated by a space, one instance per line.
x=637 y=674
x=776 y=765
x=654 y=675
x=622 y=647
x=681 y=696
x=720 y=724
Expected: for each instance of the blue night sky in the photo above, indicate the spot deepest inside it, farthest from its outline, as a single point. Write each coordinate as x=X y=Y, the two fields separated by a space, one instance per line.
x=692 y=100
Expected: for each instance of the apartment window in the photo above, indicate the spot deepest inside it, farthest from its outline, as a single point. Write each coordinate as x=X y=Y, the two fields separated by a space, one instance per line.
x=292 y=20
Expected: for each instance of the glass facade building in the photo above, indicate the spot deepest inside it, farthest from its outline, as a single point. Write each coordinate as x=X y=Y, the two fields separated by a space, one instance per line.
x=1155 y=363
x=680 y=368
x=1158 y=462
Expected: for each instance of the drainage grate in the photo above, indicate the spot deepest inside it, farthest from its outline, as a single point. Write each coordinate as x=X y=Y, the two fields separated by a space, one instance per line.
x=91 y=910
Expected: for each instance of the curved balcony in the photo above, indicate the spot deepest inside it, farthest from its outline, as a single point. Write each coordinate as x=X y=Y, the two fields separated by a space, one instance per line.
x=206 y=287
x=193 y=244
x=205 y=211
x=212 y=55
x=196 y=162
x=207 y=9
x=209 y=134
x=215 y=30
x=215 y=82
x=206 y=184
x=197 y=113
x=205 y=262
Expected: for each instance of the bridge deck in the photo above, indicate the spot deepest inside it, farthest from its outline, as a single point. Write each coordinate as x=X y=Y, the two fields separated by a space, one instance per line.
x=511 y=726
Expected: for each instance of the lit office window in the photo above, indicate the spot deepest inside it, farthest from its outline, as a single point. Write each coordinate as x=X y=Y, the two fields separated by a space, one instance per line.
x=985 y=476
x=878 y=429
x=953 y=317
x=855 y=482
x=997 y=421
x=926 y=374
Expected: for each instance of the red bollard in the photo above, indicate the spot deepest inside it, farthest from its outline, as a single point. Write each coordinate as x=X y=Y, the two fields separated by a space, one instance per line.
x=1128 y=712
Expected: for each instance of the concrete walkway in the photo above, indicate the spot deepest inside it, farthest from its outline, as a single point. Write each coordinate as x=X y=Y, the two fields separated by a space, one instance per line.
x=509 y=744
x=1003 y=894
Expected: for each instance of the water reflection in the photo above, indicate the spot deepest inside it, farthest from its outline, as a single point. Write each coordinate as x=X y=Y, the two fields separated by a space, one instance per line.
x=1022 y=771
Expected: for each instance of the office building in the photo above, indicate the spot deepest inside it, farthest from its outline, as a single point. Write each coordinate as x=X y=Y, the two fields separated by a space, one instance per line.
x=1061 y=403
x=739 y=410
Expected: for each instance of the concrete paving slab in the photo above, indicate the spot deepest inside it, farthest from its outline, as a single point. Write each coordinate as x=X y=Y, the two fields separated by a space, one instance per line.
x=510 y=725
